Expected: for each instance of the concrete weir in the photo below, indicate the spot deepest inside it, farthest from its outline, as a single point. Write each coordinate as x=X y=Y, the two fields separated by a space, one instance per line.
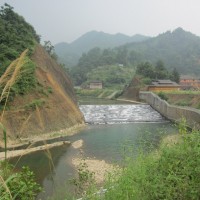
x=172 y=112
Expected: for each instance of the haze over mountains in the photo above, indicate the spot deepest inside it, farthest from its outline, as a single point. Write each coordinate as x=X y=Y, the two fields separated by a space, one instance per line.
x=178 y=49
x=69 y=53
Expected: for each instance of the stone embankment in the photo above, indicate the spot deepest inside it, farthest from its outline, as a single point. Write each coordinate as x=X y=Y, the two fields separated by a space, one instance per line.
x=172 y=112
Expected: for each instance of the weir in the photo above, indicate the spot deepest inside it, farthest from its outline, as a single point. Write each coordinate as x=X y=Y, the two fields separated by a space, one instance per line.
x=111 y=114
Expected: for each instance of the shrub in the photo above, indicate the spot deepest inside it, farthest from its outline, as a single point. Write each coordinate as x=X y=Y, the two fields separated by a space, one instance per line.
x=17 y=186
x=163 y=96
x=183 y=103
x=171 y=173
x=35 y=103
x=26 y=80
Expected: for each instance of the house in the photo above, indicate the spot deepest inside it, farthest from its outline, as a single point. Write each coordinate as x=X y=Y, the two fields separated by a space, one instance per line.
x=189 y=82
x=96 y=85
x=163 y=85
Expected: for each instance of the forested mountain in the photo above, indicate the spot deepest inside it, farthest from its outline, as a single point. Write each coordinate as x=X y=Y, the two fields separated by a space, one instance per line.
x=178 y=49
x=70 y=53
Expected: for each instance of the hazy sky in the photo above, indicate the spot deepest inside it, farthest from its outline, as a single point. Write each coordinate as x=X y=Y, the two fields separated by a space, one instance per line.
x=66 y=20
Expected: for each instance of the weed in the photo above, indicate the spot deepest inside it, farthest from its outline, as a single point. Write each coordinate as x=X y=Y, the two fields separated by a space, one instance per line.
x=85 y=181
x=34 y=104
x=163 y=96
x=183 y=103
x=4 y=138
x=19 y=185
x=50 y=90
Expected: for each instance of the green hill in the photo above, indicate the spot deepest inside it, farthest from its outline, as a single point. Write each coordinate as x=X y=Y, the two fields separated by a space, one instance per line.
x=70 y=53
x=178 y=49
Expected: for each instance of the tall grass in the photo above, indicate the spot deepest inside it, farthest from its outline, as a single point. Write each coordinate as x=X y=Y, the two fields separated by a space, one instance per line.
x=4 y=138
x=9 y=78
x=21 y=185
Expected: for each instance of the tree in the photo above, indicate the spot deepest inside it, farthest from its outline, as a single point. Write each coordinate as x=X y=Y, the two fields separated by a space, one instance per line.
x=49 y=48
x=145 y=69
x=122 y=55
x=160 y=70
x=175 y=76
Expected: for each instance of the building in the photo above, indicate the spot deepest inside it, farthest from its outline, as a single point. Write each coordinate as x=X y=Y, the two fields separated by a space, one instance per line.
x=188 y=82
x=96 y=85
x=163 y=85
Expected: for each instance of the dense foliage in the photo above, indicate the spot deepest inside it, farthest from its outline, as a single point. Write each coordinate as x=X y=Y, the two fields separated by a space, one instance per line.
x=150 y=72
x=17 y=186
x=16 y=35
x=178 y=49
x=111 y=75
x=97 y=61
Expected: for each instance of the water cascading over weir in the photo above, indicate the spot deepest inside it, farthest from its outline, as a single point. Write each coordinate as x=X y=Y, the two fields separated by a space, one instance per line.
x=111 y=114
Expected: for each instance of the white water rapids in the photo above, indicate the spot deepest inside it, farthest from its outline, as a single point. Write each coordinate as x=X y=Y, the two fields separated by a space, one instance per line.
x=110 y=114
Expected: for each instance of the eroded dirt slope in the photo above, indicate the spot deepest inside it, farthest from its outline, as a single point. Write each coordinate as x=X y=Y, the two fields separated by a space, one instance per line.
x=50 y=107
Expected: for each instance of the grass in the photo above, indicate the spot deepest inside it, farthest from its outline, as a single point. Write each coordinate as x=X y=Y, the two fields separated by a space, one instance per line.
x=34 y=104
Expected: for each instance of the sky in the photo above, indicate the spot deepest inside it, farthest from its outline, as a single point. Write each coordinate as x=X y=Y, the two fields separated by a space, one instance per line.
x=66 y=20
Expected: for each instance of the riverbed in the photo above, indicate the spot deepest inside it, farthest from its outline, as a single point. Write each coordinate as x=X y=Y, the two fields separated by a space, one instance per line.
x=112 y=130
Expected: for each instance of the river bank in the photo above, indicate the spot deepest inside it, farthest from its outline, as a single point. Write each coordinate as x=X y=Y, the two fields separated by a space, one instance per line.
x=23 y=146
x=99 y=168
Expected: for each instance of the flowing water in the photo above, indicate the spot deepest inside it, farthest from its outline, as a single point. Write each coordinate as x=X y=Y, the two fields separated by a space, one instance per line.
x=112 y=127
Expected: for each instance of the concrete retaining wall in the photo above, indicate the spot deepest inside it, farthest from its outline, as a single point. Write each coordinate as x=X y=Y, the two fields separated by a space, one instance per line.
x=171 y=112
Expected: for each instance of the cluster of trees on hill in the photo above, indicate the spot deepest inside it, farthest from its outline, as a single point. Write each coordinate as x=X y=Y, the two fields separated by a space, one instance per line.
x=16 y=35
x=150 y=72
x=91 y=61
x=95 y=58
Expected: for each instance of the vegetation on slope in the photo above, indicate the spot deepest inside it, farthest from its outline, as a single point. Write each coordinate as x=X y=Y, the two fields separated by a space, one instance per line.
x=16 y=35
x=98 y=61
x=112 y=76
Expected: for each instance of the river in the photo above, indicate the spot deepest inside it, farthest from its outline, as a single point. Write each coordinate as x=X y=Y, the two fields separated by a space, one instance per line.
x=110 y=129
